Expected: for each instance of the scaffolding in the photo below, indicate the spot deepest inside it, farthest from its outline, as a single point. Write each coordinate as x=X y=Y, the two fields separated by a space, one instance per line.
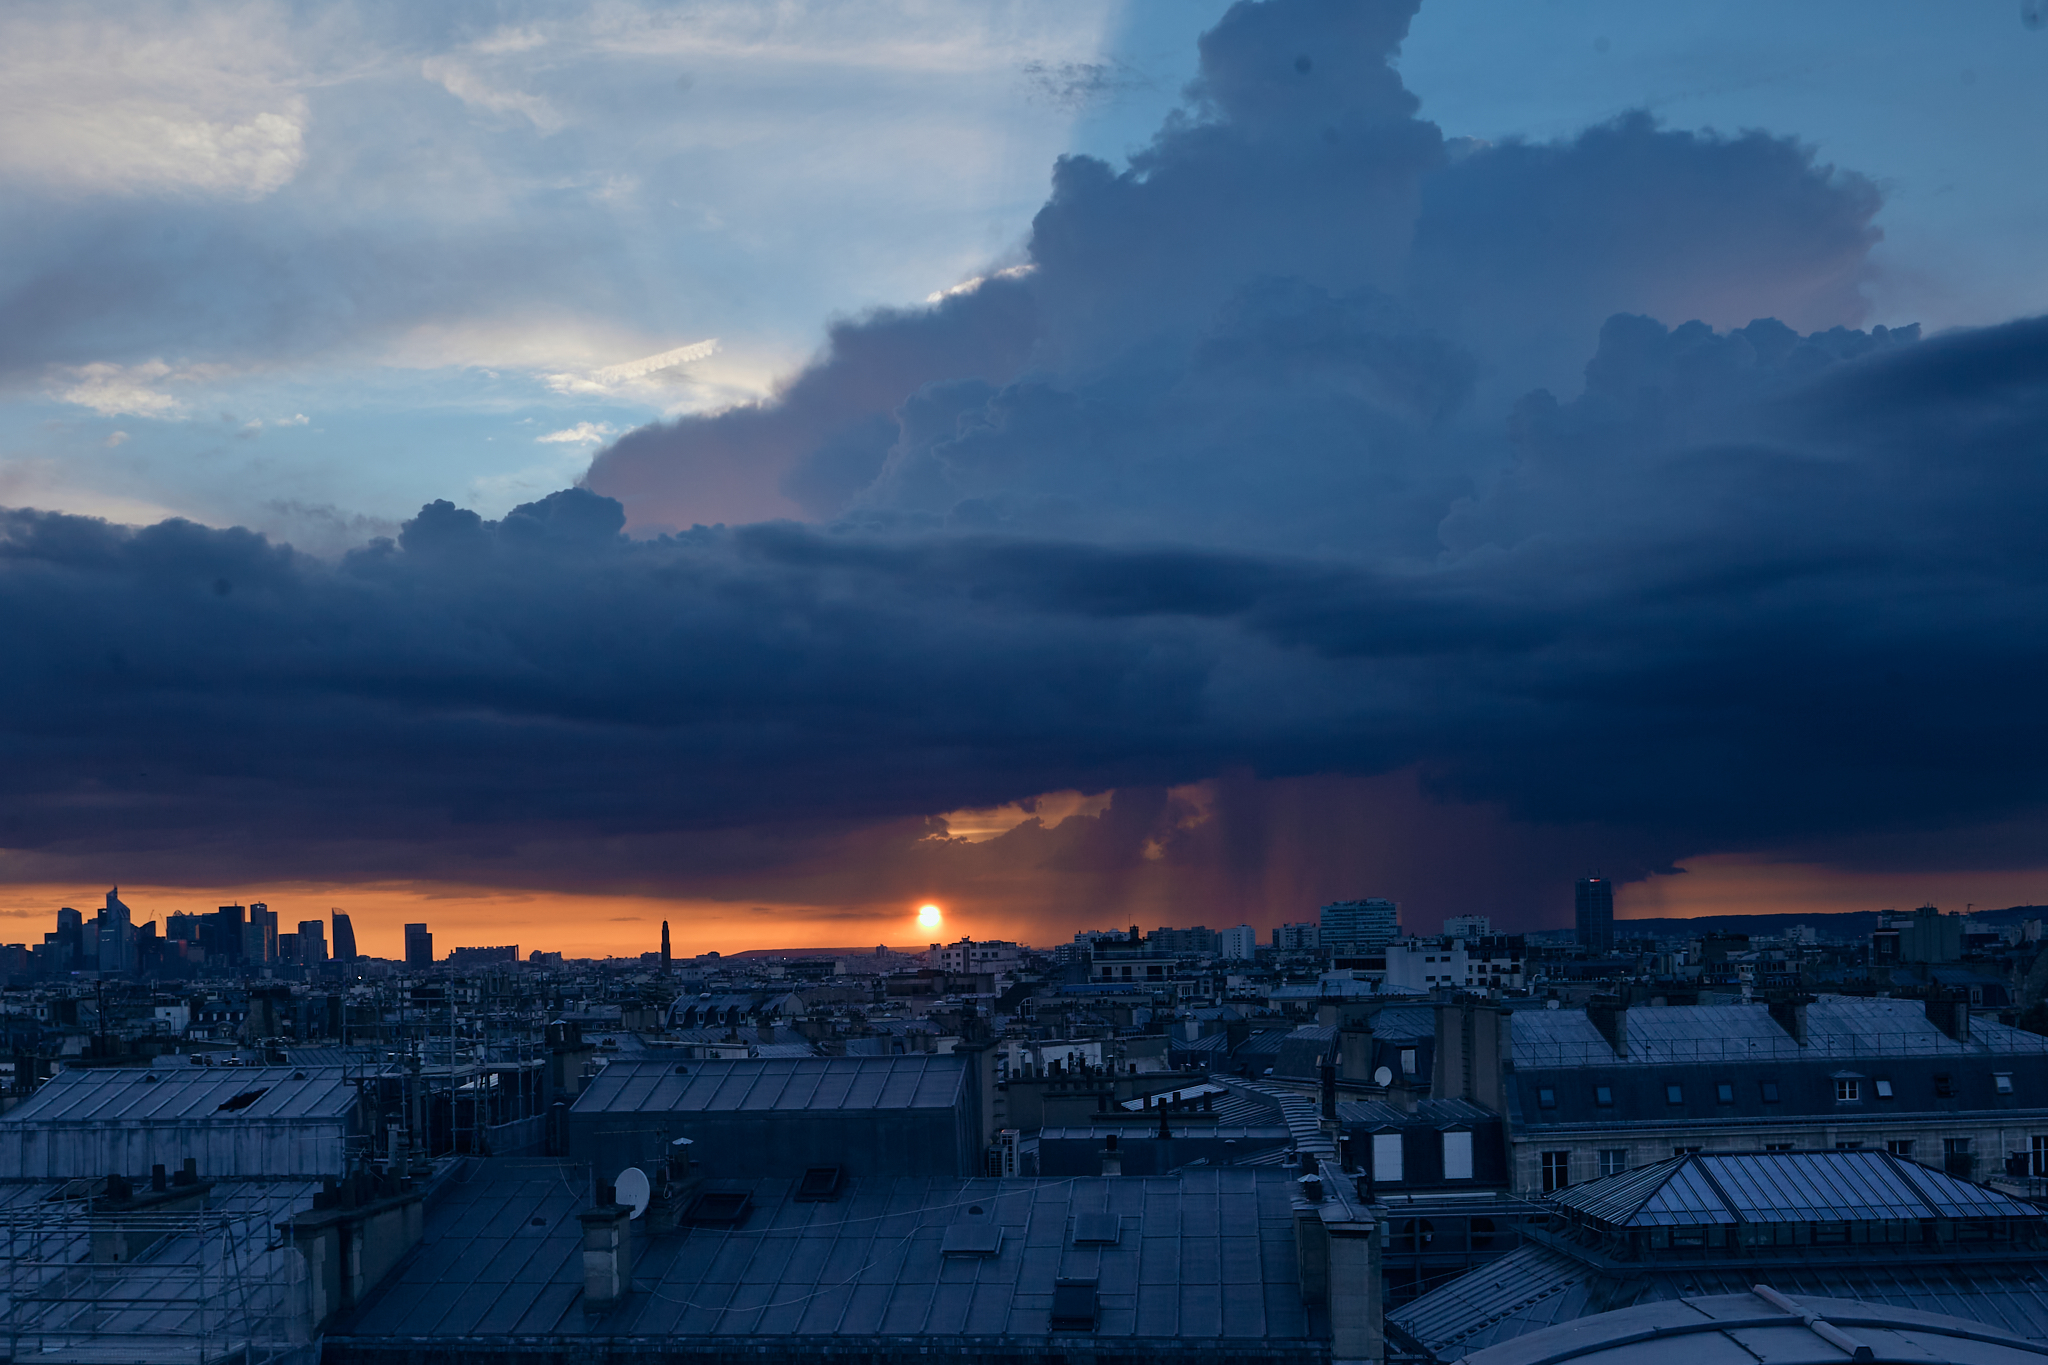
x=100 y=1285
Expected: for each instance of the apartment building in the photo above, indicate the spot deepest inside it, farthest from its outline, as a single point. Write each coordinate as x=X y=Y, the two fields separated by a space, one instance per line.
x=1607 y=1089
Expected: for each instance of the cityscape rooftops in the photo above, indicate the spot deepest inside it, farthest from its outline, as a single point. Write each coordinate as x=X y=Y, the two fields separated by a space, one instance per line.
x=1206 y=1256
x=1783 y=1187
x=911 y=1081
x=1835 y=1026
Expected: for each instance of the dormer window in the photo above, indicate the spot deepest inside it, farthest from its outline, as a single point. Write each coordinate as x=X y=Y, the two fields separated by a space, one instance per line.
x=1847 y=1090
x=1603 y=1095
x=2001 y=1081
x=1884 y=1087
x=1546 y=1098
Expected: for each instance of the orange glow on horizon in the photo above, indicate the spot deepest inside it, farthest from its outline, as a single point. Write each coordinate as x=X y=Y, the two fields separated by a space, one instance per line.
x=464 y=916
x=1731 y=884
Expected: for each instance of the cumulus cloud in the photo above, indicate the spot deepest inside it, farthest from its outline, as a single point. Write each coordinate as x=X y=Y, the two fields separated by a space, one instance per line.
x=1255 y=500
x=583 y=433
x=119 y=390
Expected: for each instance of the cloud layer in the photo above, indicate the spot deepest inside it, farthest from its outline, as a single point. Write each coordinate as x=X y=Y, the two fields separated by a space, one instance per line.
x=1276 y=483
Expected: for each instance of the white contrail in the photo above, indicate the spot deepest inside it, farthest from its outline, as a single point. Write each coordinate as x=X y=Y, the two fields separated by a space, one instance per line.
x=634 y=369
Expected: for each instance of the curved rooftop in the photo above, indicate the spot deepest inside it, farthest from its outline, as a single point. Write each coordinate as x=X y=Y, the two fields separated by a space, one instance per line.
x=1765 y=1327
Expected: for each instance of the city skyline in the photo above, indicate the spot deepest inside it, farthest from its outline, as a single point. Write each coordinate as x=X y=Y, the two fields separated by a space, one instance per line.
x=1308 y=461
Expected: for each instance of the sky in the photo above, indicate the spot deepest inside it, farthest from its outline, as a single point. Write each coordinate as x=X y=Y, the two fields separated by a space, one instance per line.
x=1079 y=462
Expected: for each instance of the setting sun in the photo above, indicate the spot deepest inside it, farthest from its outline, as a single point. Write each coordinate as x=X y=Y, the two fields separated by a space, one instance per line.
x=928 y=917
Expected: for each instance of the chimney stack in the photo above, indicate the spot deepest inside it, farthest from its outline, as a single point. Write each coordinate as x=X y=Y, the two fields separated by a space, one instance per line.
x=607 y=1253
x=1112 y=1159
x=1609 y=1014
x=1790 y=1014
x=1949 y=1011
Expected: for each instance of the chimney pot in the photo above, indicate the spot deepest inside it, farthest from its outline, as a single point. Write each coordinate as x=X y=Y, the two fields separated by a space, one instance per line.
x=157 y=1180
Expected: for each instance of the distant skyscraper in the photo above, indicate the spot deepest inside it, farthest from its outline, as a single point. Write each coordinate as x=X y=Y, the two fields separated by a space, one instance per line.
x=312 y=942
x=259 y=939
x=1359 y=926
x=344 y=937
x=1595 y=905
x=1467 y=926
x=116 y=935
x=419 y=946
x=664 y=946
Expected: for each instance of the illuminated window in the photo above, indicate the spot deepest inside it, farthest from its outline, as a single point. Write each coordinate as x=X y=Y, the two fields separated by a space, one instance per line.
x=1457 y=1156
x=1386 y=1156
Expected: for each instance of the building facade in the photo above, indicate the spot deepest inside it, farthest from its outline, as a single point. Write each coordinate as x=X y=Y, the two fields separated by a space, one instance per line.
x=1359 y=926
x=1608 y=1089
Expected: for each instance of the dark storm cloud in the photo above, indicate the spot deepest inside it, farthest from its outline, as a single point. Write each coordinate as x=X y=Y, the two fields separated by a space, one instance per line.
x=1241 y=481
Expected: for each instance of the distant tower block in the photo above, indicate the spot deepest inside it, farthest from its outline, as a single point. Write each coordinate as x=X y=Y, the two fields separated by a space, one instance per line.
x=664 y=946
x=1594 y=903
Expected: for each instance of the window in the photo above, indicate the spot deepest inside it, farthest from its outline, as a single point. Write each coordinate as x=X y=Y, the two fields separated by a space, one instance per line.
x=1408 y=1060
x=1724 y=1093
x=1683 y=1151
x=1770 y=1092
x=1546 y=1098
x=1556 y=1170
x=1900 y=1147
x=1848 y=1146
x=1386 y=1156
x=1778 y=1147
x=1457 y=1156
x=1614 y=1161
x=1603 y=1095
x=1674 y=1094
x=2001 y=1081
x=1884 y=1087
x=2038 y=1157
x=1955 y=1157
x=1944 y=1089
x=1846 y=1090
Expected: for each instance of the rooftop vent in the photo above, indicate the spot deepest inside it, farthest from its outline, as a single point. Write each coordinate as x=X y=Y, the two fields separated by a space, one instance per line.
x=715 y=1208
x=820 y=1185
x=1073 y=1305
x=978 y=1237
x=1097 y=1229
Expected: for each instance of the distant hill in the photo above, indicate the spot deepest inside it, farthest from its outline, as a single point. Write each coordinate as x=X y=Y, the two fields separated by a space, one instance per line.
x=1847 y=924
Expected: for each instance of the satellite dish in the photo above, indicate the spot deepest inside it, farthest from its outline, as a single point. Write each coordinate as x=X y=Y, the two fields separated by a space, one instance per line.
x=1383 y=1076
x=632 y=1188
